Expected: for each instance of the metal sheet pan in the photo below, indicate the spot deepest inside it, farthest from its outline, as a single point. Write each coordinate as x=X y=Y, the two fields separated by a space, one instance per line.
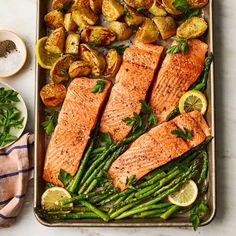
x=40 y=147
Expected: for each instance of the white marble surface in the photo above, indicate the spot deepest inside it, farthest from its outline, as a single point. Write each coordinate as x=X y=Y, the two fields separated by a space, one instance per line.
x=20 y=16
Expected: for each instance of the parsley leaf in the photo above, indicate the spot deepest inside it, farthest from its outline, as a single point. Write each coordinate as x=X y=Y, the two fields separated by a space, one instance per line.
x=130 y=180
x=138 y=9
x=105 y=138
x=136 y=122
x=181 y=5
x=100 y=85
x=190 y=13
x=146 y=109
x=119 y=48
x=8 y=96
x=182 y=46
x=183 y=133
x=64 y=177
x=6 y=138
x=51 y=121
x=127 y=13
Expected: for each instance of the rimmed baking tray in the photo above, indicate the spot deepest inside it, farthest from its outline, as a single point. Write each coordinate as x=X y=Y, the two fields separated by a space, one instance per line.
x=40 y=146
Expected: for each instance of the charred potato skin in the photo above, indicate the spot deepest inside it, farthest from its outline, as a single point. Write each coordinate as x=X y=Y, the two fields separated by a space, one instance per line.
x=192 y=28
x=59 y=70
x=112 y=9
x=98 y=35
x=53 y=94
x=72 y=43
x=122 y=30
x=69 y=23
x=95 y=59
x=166 y=26
x=113 y=63
x=136 y=17
x=96 y=5
x=156 y=9
x=56 y=41
x=79 y=69
x=54 y=19
x=140 y=3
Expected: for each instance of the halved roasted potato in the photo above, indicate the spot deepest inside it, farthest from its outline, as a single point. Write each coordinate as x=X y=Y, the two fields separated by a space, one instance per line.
x=113 y=62
x=166 y=26
x=69 y=23
x=122 y=30
x=169 y=7
x=79 y=69
x=54 y=19
x=60 y=4
x=96 y=5
x=52 y=94
x=139 y=3
x=56 y=41
x=59 y=71
x=72 y=43
x=157 y=9
x=132 y=17
x=78 y=19
x=148 y=32
x=192 y=28
x=98 y=35
x=112 y=9
x=95 y=59
x=197 y=3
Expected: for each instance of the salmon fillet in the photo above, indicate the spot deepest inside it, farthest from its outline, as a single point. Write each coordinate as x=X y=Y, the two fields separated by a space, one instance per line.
x=77 y=118
x=132 y=83
x=178 y=72
x=158 y=147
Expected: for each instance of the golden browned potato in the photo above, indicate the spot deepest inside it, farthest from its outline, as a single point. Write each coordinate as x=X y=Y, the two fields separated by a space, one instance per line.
x=80 y=4
x=197 y=3
x=60 y=4
x=59 y=71
x=56 y=41
x=72 y=43
x=132 y=17
x=113 y=62
x=139 y=3
x=166 y=26
x=168 y=5
x=192 y=28
x=98 y=35
x=69 y=24
x=78 y=19
x=148 y=32
x=96 y=5
x=52 y=94
x=54 y=19
x=112 y=9
x=79 y=69
x=157 y=9
x=122 y=30
x=95 y=59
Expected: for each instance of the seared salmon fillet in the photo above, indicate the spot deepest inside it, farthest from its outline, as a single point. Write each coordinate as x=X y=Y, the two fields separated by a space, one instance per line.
x=132 y=83
x=77 y=118
x=177 y=73
x=158 y=147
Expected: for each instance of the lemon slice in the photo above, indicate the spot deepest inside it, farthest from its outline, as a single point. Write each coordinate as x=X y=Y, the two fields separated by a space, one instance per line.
x=186 y=195
x=193 y=100
x=51 y=197
x=45 y=59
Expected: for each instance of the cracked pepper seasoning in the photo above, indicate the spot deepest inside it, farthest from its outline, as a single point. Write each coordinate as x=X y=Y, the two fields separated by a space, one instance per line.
x=7 y=47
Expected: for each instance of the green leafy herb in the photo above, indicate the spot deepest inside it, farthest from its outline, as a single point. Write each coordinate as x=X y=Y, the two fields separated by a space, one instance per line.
x=139 y=9
x=127 y=13
x=64 y=177
x=146 y=109
x=182 y=46
x=190 y=13
x=119 y=48
x=130 y=180
x=105 y=138
x=50 y=185
x=100 y=85
x=136 y=122
x=183 y=133
x=66 y=6
x=51 y=121
x=6 y=138
x=8 y=96
x=181 y=5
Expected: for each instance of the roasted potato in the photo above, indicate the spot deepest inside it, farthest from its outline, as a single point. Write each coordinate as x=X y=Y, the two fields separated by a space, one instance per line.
x=52 y=94
x=156 y=9
x=78 y=19
x=95 y=59
x=192 y=28
x=80 y=4
x=79 y=69
x=60 y=4
x=197 y=3
x=69 y=23
x=112 y=9
x=54 y=19
x=140 y=3
x=96 y=5
x=72 y=43
x=133 y=18
x=98 y=35
x=166 y=26
x=169 y=7
x=113 y=62
x=59 y=71
x=56 y=41
x=148 y=32
x=122 y=30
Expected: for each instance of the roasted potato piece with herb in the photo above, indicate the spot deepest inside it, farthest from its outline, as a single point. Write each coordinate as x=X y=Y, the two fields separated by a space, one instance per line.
x=54 y=19
x=69 y=23
x=166 y=26
x=79 y=69
x=72 y=43
x=61 y=4
x=197 y=3
x=140 y=3
x=122 y=30
x=112 y=9
x=98 y=35
x=56 y=41
x=96 y=5
x=132 y=17
x=192 y=28
x=156 y=9
x=95 y=59
x=113 y=62
x=52 y=94
x=148 y=32
x=59 y=71
x=169 y=7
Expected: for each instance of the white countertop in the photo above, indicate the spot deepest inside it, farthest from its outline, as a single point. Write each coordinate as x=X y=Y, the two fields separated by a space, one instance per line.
x=20 y=16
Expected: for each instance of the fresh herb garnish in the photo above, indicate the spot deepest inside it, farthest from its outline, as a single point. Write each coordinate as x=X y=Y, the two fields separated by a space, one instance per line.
x=136 y=121
x=66 y=6
x=130 y=180
x=100 y=85
x=51 y=121
x=147 y=109
x=8 y=96
x=138 y=9
x=182 y=46
x=127 y=13
x=190 y=13
x=6 y=138
x=119 y=48
x=181 y=5
x=105 y=138
x=183 y=133
x=64 y=177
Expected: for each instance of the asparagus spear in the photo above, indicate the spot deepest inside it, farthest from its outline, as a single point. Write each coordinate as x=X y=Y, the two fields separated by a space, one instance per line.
x=169 y=212
x=204 y=168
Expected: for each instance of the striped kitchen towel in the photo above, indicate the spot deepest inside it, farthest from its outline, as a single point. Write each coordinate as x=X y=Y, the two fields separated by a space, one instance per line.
x=16 y=169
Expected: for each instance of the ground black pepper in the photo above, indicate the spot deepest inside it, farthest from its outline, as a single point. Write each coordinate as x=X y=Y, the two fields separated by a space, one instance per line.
x=7 y=47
